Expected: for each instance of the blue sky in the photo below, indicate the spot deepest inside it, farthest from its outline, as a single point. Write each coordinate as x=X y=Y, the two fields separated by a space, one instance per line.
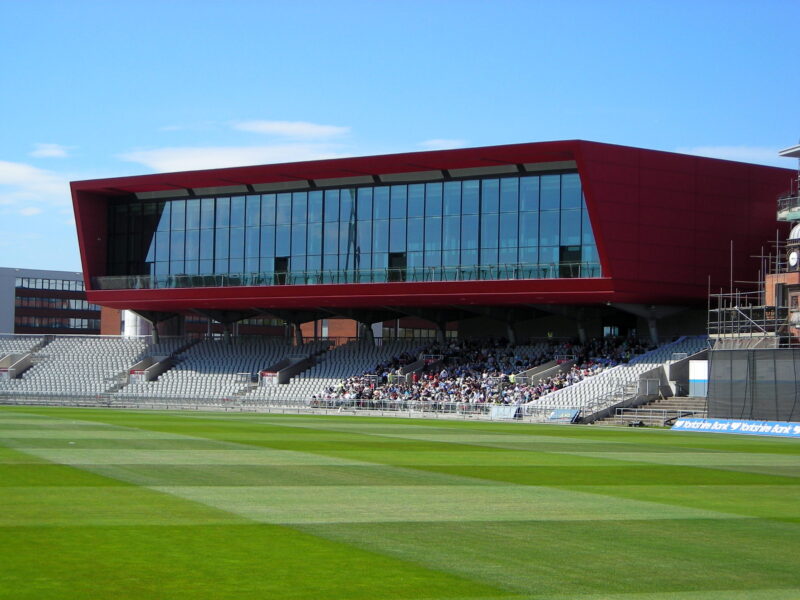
x=94 y=89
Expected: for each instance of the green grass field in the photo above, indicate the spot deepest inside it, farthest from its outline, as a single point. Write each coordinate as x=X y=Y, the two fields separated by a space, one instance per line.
x=106 y=504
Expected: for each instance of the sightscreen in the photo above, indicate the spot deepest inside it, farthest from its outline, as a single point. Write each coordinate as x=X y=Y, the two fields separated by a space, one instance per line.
x=760 y=384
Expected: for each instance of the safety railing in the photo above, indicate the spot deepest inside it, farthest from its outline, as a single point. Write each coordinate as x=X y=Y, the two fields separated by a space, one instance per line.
x=318 y=277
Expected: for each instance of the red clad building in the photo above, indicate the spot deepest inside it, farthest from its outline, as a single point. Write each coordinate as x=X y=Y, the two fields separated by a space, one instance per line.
x=567 y=236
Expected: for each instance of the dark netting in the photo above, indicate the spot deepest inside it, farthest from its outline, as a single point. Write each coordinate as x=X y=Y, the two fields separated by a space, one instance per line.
x=762 y=385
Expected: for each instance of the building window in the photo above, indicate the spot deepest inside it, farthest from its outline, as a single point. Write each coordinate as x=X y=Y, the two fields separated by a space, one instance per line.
x=526 y=226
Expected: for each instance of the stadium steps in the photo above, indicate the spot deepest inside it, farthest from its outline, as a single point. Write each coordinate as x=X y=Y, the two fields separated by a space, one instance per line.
x=658 y=412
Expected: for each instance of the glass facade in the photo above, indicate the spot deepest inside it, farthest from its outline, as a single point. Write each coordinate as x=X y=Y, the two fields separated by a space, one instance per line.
x=66 y=323
x=519 y=227
x=67 y=285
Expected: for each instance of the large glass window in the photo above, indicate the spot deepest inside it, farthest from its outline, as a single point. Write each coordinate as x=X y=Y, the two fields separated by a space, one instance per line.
x=470 y=197
x=331 y=206
x=467 y=228
x=398 y=202
x=381 y=200
x=299 y=207
x=268 y=209
x=237 y=211
x=237 y=242
x=433 y=200
x=193 y=214
x=253 y=211
x=223 y=213
x=509 y=195
x=283 y=215
x=452 y=198
x=315 y=207
x=416 y=200
x=550 y=192
x=490 y=192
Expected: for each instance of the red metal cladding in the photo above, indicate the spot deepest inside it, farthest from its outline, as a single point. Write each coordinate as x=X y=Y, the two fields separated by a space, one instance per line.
x=666 y=226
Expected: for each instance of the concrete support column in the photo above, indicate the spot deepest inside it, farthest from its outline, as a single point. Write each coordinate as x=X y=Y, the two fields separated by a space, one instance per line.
x=298 y=334
x=226 y=333
x=582 y=337
x=367 y=333
x=135 y=325
x=652 y=324
x=511 y=333
x=441 y=336
x=377 y=331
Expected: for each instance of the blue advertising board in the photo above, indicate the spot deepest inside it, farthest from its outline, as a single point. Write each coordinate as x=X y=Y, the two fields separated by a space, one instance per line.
x=771 y=428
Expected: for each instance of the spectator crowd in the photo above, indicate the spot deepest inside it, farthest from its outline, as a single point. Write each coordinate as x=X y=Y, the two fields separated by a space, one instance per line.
x=481 y=372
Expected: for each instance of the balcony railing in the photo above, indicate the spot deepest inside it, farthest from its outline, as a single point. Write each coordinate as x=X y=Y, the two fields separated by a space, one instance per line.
x=318 y=277
x=789 y=206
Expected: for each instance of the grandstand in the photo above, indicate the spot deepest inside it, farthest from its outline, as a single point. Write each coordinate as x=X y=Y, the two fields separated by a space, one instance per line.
x=82 y=366
x=613 y=386
x=214 y=369
x=16 y=344
x=234 y=375
x=339 y=363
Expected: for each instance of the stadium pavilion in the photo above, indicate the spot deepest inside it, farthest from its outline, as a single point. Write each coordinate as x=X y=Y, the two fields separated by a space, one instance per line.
x=565 y=238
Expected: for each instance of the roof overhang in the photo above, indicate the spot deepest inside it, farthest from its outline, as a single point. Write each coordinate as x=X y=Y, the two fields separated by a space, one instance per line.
x=793 y=152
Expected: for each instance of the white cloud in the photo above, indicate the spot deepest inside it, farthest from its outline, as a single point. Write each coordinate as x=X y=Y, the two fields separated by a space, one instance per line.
x=750 y=154
x=215 y=157
x=29 y=211
x=442 y=144
x=50 y=151
x=292 y=129
x=25 y=185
